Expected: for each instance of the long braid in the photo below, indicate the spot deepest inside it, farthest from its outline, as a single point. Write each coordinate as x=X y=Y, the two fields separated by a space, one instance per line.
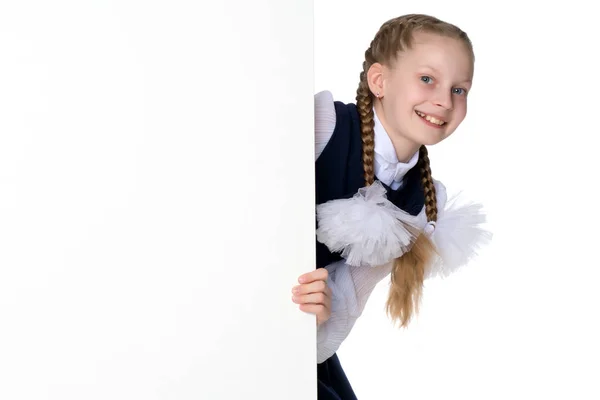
x=428 y=187
x=408 y=272
x=364 y=104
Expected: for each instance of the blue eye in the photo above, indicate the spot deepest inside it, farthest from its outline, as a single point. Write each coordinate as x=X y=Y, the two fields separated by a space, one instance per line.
x=460 y=91
x=426 y=79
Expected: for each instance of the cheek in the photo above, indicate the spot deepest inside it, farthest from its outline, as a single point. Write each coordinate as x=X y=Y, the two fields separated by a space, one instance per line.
x=402 y=105
x=411 y=100
x=410 y=93
x=460 y=111
x=420 y=94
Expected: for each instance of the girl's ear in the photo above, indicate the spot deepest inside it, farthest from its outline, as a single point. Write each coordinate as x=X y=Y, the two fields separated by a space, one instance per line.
x=375 y=79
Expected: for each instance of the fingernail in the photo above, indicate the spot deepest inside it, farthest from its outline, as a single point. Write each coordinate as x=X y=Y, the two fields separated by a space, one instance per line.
x=302 y=279
x=296 y=289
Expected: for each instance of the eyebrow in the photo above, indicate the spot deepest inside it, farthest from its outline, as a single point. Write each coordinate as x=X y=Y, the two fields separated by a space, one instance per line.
x=470 y=81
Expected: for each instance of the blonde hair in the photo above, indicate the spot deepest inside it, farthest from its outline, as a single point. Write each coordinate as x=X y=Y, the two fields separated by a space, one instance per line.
x=408 y=272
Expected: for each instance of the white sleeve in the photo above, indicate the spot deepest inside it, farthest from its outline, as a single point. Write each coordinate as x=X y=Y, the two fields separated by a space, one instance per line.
x=351 y=288
x=324 y=120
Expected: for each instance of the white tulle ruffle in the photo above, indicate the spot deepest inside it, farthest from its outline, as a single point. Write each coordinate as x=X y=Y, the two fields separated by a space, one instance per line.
x=458 y=235
x=369 y=230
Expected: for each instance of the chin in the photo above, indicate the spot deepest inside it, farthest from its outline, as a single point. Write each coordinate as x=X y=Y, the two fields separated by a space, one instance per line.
x=430 y=140
x=429 y=136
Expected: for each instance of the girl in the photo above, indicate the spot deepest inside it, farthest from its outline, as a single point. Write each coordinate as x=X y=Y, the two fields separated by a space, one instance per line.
x=379 y=211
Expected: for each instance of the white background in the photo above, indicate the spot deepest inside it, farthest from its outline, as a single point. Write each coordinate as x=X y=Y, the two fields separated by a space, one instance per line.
x=521 y=322
x=156 y=203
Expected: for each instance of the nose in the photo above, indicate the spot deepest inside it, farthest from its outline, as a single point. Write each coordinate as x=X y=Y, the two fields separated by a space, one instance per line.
x=444 y=99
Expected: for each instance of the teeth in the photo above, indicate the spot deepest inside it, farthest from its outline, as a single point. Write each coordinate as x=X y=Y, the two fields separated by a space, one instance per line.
x=435 y=121
x=431 y=119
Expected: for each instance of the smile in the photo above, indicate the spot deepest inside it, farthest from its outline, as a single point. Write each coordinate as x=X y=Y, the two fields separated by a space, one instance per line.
x=430 y=119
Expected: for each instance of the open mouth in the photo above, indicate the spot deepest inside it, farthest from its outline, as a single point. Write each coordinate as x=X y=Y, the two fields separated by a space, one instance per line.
x=430 y=119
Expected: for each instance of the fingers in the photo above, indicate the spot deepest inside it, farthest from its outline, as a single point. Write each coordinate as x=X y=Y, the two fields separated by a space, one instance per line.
x=320 y=274
x=316 y=303
x=314 y=287
x=313 y=298
x=313 y=295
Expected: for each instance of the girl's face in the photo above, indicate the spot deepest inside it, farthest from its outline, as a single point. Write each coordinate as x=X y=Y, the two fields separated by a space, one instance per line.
x=424 y=94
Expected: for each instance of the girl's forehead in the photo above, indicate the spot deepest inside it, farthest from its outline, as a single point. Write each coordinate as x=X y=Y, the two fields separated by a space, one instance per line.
x=437 y=48
x=439 y=53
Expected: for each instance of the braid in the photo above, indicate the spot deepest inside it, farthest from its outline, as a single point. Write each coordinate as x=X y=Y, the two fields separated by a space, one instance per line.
x=408 y=272
x=427 y=183
x=364 y=103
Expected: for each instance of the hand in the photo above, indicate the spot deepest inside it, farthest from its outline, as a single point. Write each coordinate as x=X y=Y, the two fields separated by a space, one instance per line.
x=313 y=294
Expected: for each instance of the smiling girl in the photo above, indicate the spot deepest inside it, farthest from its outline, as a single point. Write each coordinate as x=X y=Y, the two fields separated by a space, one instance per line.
x=379 y=211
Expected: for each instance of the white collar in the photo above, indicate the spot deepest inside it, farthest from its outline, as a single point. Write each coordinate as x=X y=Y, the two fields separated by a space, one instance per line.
x=387 y=167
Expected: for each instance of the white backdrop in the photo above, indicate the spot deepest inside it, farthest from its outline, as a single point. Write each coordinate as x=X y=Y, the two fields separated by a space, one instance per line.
x=156 y=203
x=522 y=321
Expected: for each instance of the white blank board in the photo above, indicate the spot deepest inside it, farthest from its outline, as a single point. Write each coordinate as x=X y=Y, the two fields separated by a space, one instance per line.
x=156 y=199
